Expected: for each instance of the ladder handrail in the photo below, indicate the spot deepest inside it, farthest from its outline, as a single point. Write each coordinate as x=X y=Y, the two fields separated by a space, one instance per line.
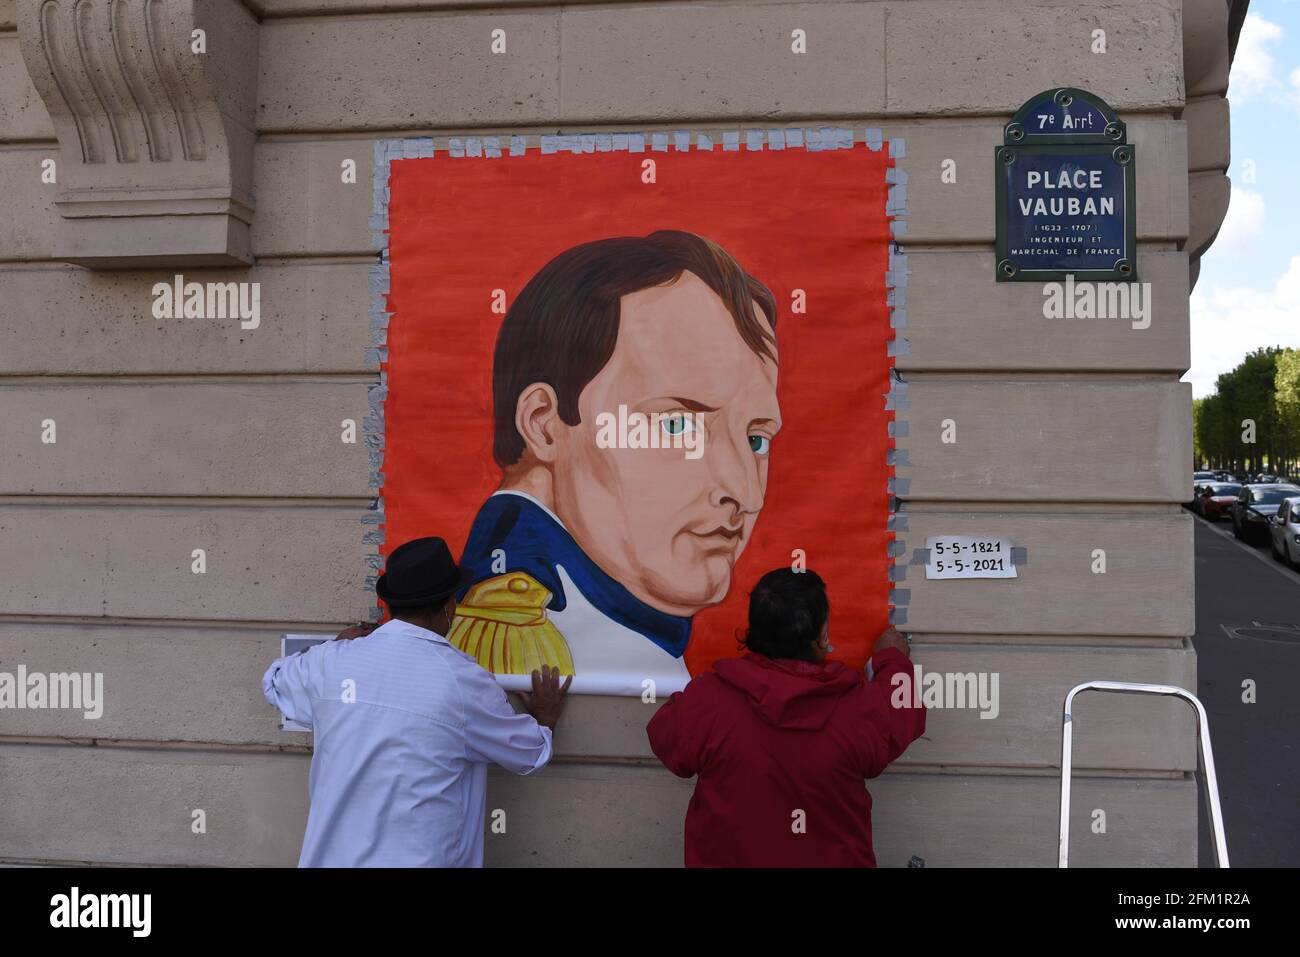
x=1203 y=738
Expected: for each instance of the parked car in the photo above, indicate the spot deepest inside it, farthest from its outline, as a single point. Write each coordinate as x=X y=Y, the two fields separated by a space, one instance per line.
x=1199 y=479
x=1215 y=501
x=1284 y=532
x=1222 y=476
x=1255 y=505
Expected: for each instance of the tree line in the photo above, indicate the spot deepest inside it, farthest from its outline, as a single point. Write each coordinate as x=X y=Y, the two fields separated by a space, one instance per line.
x=1252 y=421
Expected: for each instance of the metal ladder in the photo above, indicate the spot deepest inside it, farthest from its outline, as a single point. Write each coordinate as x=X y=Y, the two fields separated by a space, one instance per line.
x=1202 y=736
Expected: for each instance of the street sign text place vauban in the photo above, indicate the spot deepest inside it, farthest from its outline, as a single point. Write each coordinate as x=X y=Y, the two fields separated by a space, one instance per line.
x=1065 y=192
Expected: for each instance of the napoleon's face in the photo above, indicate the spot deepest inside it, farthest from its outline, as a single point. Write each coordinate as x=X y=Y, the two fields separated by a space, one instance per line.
x=666 y=524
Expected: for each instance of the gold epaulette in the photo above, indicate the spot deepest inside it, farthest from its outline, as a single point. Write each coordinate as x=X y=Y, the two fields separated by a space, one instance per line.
x=502 y=623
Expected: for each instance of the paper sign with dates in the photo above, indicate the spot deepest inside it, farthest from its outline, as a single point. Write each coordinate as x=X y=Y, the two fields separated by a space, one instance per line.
x=969 y=556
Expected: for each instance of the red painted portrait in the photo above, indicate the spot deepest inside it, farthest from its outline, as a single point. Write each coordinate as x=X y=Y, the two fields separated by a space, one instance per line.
x=625 y=380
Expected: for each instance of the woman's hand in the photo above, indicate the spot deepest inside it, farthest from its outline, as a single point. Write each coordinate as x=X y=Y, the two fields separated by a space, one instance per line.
x=892 y=638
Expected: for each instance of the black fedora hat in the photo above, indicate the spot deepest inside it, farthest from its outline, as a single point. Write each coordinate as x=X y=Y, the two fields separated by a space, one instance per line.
x=421 y=572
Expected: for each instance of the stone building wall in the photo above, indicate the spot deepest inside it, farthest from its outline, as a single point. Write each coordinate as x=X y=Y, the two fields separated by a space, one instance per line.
x=175 y=435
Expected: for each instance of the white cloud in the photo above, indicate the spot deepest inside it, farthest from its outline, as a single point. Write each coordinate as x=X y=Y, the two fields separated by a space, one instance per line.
x=1242 y=224
x=1254 y=71
x=1228 y=323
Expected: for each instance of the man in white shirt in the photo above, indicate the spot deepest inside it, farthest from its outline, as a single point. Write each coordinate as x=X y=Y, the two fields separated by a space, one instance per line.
x=405 y=727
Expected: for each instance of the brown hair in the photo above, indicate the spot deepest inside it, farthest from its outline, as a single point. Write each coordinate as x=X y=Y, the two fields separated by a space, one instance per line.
x=563 y=326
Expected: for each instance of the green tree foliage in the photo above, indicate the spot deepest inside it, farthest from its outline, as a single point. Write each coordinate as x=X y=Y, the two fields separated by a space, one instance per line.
x=1286 y=387
x=1264 y=390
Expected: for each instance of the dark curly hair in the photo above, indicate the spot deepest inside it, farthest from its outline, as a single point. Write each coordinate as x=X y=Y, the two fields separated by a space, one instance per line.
x=787 y=610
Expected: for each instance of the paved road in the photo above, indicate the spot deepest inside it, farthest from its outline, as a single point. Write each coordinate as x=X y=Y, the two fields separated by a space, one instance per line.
x=1256 y=746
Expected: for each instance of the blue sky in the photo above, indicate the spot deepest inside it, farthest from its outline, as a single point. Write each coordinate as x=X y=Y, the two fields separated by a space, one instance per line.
x=1248 y=294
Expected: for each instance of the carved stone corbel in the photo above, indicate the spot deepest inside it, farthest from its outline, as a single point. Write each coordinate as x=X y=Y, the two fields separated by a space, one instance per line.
x=153 y=103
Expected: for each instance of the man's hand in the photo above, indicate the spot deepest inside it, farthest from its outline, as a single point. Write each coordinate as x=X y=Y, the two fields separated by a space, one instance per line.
x=358 y=630
x=890 y=638
x=547 y=698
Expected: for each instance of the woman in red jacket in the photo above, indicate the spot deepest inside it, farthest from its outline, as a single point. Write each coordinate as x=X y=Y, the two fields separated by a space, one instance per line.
x=782 y=739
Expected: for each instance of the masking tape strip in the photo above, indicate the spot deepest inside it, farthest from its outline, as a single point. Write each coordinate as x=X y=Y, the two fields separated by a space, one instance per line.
x=896 y=400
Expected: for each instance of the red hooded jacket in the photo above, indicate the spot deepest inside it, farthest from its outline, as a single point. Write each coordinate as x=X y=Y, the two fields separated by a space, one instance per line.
x=770 y=738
